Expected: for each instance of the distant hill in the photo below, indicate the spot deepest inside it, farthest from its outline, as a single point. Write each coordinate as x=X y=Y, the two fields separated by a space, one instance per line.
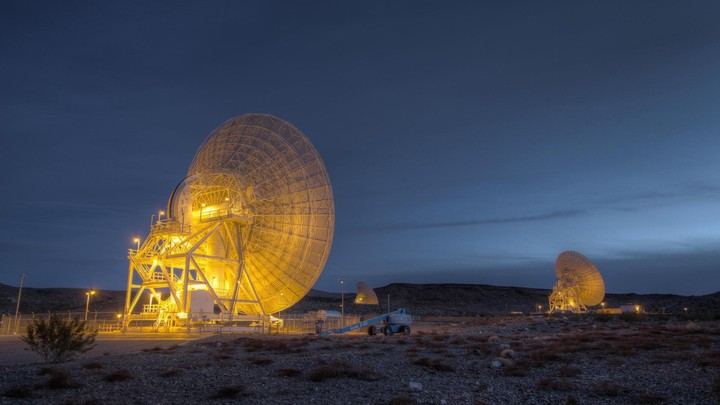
x=419 y=299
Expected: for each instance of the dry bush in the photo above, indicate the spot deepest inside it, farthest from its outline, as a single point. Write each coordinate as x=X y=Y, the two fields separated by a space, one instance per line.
x=571 y=400
x=60 y=380
x=567 y=371
x=288 y=372
x=709 y=359
x=519 y=369
x=119 y=376
x=271 y=345
x=715 y=386
x=93 y=366
x=551 y=384
x=341 y=369
x=606 y=388
x=434 y=364
x=171 y=372
x=153 y=350
x=402 y=401
x=19 y=391
x=651 y=399
x=260 y=361
x=231 y=392
x=58 y=339
x=479 y=348
x=540 y=357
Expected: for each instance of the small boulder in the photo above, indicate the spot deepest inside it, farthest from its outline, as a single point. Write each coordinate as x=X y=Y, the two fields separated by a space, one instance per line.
x=415 y=386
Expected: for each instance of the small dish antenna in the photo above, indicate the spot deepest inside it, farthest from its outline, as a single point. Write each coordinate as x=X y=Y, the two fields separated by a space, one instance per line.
x=365 y=295
x=578 y=286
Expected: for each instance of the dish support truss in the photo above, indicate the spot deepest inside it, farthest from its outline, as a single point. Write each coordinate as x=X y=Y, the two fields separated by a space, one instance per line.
x=566 y=300
x=174 y=261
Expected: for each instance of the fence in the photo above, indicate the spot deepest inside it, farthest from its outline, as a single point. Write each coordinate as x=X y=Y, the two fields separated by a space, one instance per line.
x=112 y=322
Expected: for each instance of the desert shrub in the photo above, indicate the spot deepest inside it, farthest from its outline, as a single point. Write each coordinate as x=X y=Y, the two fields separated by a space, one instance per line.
x=606 y=389
x=288 y=372
x=60 y=380
x=341 y=369
x=260 y=361
x=651 y=399
x=403 y=401
x=435 y=364
x=57 y=339
x=171 y=372
x=551 y=384
x=235 y=391
x=519 y=369
x=18 y=391
x=92 y=366
x=566 y=371
x=716 y=385
x=119 y=375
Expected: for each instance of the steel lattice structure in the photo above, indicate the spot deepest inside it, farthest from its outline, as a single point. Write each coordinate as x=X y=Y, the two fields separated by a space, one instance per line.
x=579 y=284
x=250 y=227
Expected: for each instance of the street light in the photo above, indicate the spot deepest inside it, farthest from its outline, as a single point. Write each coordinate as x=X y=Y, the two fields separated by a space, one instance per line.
x=342 y=299
x=87 y=303
x=137 y=240
x=160 y=214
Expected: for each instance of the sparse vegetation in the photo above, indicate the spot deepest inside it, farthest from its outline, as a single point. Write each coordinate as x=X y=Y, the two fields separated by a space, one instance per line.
x=433 y=364
x=57 y=339
x=552 y=384
x=60 y=380
x=119 y=376
x=341 y=369
x=288 y=372
x=19 y=391
x=232 y=392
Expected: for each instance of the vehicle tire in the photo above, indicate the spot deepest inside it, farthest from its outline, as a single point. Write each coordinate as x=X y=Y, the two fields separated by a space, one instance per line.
x=372 y=331
x=405 y=330
x=388 y=331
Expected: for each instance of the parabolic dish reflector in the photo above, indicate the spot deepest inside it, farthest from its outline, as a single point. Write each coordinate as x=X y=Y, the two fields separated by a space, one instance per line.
x=247 y=231
x=278 y=176
x=575 y=270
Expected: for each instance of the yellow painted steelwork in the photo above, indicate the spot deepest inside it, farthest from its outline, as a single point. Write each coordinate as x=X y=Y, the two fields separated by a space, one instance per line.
x=251 y=224
x=579 y=284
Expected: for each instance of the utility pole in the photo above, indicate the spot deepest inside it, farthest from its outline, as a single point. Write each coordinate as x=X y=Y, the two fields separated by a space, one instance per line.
x=17 y=308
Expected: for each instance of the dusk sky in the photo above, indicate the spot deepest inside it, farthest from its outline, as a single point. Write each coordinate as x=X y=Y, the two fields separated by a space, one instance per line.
x=466 y=142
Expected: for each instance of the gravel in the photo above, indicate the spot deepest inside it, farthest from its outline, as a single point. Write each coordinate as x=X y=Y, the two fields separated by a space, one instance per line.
x=524 y=360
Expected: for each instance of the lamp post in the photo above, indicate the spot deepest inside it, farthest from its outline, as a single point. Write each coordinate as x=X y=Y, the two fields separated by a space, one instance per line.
x=17 y=308
x=342 y=300
x=87 y=303
x=160 y=214
x=137 y=240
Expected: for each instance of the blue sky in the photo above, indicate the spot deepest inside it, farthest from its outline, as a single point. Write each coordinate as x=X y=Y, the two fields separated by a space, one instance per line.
x=467 y=142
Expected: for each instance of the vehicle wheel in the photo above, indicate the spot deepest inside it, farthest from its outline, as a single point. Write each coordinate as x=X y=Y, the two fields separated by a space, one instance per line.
x=388 y=331
x=405 y=330
x=372 y=331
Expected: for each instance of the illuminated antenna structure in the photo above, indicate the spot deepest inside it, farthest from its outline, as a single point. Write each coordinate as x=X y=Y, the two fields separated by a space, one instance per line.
x=248 y=231
x=578 y=286
x=365 y=295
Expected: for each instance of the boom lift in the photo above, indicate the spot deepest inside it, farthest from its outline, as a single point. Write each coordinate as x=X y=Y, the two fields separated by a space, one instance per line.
x=397 y=321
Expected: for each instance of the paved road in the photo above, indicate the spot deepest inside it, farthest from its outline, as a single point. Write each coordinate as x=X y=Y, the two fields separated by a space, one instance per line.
x=13 y=350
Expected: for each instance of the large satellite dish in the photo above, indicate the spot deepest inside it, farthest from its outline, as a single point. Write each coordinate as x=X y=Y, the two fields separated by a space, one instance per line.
x=247 y=231
x=578 y=286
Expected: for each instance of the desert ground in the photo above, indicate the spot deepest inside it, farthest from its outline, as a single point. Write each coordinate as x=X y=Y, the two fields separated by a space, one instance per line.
x=471 y=360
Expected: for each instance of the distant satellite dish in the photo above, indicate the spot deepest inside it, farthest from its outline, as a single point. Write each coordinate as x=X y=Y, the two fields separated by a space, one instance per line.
x=365 y=295
x=578 y=286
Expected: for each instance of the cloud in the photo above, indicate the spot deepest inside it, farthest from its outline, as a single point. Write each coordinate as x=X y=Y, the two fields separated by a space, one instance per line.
x=476 y=222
